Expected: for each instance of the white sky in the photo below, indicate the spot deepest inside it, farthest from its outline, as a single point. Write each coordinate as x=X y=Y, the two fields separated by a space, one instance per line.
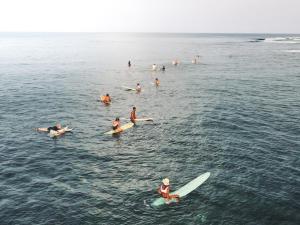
x=219 y=16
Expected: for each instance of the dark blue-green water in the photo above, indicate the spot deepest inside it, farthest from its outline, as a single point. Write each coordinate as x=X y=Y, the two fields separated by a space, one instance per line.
x=235 y=114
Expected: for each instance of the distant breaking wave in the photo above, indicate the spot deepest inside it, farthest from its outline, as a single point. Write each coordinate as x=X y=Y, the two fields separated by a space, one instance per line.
x=283 y=40
x=293 y=51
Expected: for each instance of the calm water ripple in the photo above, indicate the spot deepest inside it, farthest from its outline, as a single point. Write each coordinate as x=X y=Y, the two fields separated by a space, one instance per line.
x=235 y=114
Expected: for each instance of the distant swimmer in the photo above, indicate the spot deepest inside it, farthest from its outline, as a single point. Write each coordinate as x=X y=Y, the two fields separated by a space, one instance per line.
x=175 y=62
x=57 y=127
x=164 y=191
x=163 y=68
x=106 y=99
x=157 y=82
x=138 y=87
x=154 y=67
x=129 y=63
x=116 y=124
x=133 y=115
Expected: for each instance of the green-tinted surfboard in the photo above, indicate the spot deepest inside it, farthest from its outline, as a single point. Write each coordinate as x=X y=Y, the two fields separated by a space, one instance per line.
x=186 y=189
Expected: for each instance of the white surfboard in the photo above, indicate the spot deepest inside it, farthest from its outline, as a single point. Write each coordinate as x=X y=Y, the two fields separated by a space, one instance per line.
x=185 y=190
x=144 y=119
x=122 y=128
x=54 y=133
x=139 y=120
x=128 y=88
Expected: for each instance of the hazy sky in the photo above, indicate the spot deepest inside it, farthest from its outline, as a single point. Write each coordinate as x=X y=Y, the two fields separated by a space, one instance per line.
x=260 y=16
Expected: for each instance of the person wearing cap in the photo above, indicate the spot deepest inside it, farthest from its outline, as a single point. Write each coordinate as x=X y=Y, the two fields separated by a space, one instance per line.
x=133 y=115
x=138 y=87
x=116 y=124
x=164 y=191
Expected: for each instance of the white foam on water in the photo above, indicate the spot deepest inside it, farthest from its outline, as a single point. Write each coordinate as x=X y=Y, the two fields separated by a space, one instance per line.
x=285 y=40
x=292 y=50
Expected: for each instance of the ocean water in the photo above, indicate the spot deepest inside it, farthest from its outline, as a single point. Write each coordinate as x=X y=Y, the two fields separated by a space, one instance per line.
x=235 y=114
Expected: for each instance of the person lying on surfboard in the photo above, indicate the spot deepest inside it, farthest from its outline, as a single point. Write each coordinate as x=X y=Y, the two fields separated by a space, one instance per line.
x=164 y=191
x=133 y=115
x=157 y=82
x=138 y=87
x=106 y=99
x=57 y=127
x=116 y=124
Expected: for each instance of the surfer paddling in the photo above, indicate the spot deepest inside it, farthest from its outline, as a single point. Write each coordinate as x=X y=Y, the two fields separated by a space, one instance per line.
x=164 y=191
x=58 y=128
x=106 y=99
x=133 y=115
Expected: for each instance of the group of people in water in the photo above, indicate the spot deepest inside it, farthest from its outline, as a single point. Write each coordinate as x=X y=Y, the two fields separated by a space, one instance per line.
x=116 y=125
x=164 y=188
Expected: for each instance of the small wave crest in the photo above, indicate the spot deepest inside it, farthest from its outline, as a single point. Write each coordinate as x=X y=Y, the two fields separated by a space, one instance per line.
x=293 y=51
x=285 y=40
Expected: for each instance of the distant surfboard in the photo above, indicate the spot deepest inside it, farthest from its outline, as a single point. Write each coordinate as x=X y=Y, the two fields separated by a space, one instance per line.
x=128 y=88
x=185 y=190
x=144 y=119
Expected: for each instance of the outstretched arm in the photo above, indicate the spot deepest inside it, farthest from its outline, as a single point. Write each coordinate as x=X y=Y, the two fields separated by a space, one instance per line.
x=42 y=129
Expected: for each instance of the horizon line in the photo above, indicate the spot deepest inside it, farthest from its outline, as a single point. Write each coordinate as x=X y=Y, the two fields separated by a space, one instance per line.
x=143 y=32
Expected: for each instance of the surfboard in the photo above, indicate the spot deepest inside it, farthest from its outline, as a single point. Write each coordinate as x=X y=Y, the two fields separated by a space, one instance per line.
x=129 y=89
x=185 y=190
x=122 y=128
x=54 y=133
x=144 y=119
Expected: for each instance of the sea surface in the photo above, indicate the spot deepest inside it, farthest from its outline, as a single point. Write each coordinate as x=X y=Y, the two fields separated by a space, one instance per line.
x=236 y=114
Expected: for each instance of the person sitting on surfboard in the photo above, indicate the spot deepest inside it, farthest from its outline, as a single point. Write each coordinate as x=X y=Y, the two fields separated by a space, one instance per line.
x=116 y=123
x=106 y=99
x=163 y=68
x=133 y=115
x=138 y=87
x=164 y=191
x=157 y=82
x=57 y=127
x=129 y=63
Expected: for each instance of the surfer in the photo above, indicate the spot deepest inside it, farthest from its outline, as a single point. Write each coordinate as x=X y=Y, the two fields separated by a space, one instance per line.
x=157 y=82
x=164 y=191
x=138 y=87
x=116 y=124
x=106 y=99
x=133 y=115
x=175 y=62
x=154 y=67
x=163 y=68
x=57 y=127
x=129 y=63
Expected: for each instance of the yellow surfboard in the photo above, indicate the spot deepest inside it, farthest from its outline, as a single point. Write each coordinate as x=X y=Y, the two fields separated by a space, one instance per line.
x=122 y=128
